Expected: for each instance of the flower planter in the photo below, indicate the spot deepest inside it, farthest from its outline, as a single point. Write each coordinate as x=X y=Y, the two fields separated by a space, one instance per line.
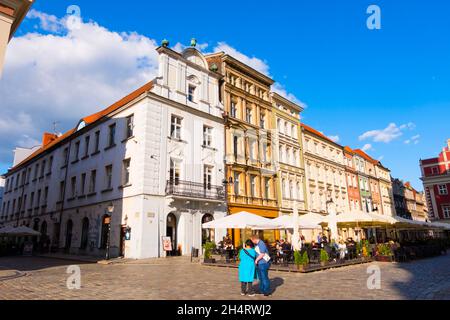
x=384 y=258
x=301 y=267
x=323 y=263
x=210 y=260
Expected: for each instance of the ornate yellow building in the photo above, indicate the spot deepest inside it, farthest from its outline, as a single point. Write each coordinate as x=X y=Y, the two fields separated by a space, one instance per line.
x=250 y=168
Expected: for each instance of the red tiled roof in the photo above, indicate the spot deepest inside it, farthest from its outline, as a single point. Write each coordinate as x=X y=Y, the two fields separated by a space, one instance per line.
x=366 y=156
x=91 y=119
x=317 y=133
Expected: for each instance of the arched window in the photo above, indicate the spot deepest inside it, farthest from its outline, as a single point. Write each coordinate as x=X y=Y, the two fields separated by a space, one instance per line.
x=84 y=233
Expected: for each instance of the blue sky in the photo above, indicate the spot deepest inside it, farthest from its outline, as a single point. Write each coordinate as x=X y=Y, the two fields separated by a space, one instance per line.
x=384 y=89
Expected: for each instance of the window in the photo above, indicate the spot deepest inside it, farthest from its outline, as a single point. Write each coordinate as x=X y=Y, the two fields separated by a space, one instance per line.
x=279 y=125
x=248 y=115
x=446 y=211
x=267 y=188
x=236 y=183
x=92 y=181
x=28 y=177
x=73 y=187
x=45 y=196
x=207 y=136
x=50 y=165
x=235 y=147
x=434 y=170
x=112 y=135
x=262 y=120
x=174 y=174
x=207 y=177
x=126 y=172
x=443 y=190
x=76 y=153
x=253 y=185
x=38 y=199
x=36 y=171
x=61 y=191
x=233 y=109
x=65 y=156
x=175 y=127
x=83 y=183
x=31 y=200
x=252 y=150
x=129 y=130
x=97 y=141
x=191 y=93
x=291 y=190
x=87 y=141
x=108 y=177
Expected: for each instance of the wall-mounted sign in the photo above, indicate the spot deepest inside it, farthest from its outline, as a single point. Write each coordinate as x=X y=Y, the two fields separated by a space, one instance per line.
x=167 y=243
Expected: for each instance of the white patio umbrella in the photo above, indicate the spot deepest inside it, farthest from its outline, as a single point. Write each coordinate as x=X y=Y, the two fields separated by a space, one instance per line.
x=241 y=220
x=19 y=231
x=312 y=218
x=288 y=222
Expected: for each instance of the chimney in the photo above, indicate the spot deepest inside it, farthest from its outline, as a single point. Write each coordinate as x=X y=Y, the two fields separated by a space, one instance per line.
x=47 y=138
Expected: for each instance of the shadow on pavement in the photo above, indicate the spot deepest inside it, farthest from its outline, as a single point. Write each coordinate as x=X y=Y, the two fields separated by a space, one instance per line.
x=21 y=263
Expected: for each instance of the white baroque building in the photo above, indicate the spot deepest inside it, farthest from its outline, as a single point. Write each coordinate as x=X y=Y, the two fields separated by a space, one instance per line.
x=149 y=166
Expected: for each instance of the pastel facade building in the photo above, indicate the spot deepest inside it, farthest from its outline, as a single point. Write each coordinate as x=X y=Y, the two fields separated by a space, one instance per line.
x=354 y=196
x=436 y=183
x=288 y=152
x=251 y=175
x=325 y=172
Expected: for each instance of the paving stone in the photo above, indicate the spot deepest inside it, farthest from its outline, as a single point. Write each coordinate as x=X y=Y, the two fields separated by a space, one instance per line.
x=179 y=279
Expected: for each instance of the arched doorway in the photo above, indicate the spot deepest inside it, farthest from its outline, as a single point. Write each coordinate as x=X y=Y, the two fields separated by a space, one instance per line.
x=84 y=233
x=171 y=231
x=105 y=230
x=45 y=240
x=207 y=234
x=69 y=228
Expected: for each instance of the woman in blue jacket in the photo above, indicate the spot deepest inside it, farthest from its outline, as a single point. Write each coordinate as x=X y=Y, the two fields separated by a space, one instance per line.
x=247 y=268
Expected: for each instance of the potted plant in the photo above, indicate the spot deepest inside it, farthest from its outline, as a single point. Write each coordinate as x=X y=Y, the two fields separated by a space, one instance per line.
x=324 y=258
x=208 y=248
x=384 y=253
x=301 y=260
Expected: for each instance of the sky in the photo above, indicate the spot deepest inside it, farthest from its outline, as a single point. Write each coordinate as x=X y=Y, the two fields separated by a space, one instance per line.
x=384 y=90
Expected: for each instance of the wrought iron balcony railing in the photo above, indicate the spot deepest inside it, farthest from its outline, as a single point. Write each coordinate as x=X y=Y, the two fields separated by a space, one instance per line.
x=195 y=190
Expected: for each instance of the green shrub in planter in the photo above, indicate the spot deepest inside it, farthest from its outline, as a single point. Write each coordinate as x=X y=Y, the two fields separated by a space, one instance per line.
x=324 y=257
x=208 y=247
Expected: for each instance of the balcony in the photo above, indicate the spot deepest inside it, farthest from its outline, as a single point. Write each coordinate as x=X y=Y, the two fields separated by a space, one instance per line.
x=189 y=189
x=242 y=199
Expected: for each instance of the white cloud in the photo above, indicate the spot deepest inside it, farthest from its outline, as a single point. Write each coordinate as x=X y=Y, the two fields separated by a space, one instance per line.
x=414 y=140
x=258 y=65
x=64 y=74
x=388 y=134
x=367 y=147
x=255 y=63
x=334 y=138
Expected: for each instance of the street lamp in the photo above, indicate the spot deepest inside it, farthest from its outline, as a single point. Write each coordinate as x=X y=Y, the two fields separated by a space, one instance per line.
x=110 y=210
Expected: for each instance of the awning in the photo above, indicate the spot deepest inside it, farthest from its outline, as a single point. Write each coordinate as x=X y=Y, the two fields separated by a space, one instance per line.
x=287 y=222
x=21 y=231
x=240 y=220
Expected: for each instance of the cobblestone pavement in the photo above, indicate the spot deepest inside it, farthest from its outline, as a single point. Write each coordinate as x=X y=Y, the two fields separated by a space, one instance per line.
x=174 y=278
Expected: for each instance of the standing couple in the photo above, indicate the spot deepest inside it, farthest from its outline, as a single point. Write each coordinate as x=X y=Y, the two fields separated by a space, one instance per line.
x=254 y=259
